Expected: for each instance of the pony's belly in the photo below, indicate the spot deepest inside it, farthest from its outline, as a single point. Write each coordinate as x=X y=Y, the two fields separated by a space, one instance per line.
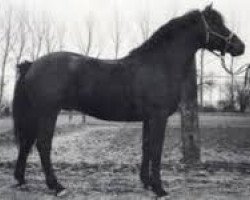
x=112 y=112
x=120 y=118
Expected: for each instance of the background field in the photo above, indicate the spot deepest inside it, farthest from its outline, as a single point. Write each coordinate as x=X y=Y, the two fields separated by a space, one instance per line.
x=100 y=160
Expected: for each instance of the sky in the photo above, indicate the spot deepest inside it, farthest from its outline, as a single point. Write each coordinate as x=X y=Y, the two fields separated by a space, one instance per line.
x=73 y=12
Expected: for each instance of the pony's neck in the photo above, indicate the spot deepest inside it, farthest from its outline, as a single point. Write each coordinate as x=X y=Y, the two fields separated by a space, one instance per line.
x=184 y=41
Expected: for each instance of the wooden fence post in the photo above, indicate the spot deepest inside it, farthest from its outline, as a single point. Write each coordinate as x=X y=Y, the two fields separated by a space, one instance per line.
x=190 y=134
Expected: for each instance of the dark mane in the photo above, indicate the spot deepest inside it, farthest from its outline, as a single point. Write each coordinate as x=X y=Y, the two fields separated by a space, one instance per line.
x=167 y=32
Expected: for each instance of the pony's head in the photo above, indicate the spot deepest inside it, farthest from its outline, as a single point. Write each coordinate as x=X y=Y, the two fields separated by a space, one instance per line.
x=218 y=36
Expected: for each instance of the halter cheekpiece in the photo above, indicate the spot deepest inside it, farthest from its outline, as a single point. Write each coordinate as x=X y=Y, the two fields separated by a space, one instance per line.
x=227 y=40
x=209 y=31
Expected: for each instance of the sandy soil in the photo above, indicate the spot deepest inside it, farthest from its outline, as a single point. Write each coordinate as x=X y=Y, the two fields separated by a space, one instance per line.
x=101 y=161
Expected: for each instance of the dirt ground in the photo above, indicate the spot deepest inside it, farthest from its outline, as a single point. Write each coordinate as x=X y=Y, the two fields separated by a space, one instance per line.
x=101 y=160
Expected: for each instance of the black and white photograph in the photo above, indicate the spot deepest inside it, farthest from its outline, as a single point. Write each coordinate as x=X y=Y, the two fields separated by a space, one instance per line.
x=124 y=100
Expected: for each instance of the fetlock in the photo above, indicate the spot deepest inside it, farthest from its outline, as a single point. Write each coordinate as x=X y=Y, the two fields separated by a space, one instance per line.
x=51 y=183
x=156 y=186
x=145 y=179
x=54 y=185
x=19 y=177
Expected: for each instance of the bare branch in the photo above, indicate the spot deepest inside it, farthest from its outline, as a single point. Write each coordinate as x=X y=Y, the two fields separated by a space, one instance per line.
x=85 y=45
x=7 y=39
x=116 y=36
x=60 y=35
x=49 y=34
x=144 y=26
x=21 y=36
x=36 y=33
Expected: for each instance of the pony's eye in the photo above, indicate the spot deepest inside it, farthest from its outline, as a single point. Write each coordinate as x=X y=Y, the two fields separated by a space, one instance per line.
x=217 y=22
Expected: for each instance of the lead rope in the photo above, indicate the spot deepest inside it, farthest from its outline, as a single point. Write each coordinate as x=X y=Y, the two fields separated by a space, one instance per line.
x=239 y=71
x=242 y=69
x=227 y=39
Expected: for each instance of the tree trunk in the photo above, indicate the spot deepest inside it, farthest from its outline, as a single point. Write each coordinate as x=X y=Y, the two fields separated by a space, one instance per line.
x=2 y=83
x=243 y=99
x=83 y=119
x=201 y=78
x=189 y=118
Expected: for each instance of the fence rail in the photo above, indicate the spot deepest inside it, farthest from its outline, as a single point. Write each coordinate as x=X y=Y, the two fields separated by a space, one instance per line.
x=219 y=88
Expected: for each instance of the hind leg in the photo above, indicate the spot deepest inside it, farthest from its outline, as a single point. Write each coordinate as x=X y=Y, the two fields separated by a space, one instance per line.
x=27 y=138
x=24 y=149
x=44 y=144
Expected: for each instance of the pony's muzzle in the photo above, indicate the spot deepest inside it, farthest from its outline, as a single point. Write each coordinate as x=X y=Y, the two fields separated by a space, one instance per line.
x=236 y=47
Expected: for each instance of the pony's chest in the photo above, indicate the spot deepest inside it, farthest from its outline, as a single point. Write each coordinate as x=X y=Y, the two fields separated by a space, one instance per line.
x=158 y=91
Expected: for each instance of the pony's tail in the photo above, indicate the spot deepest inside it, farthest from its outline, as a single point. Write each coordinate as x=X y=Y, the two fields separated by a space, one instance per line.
x=24 y=67
x=21 y=102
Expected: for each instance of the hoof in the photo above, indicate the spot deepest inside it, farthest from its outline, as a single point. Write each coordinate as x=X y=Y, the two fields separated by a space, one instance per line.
x=60 y=190
x=22 y=186
x=20 y=180
x=159 y=191
x=19 y=184
x=145 y=182
x=61 y=193
x=163 y=198
x=146 y=186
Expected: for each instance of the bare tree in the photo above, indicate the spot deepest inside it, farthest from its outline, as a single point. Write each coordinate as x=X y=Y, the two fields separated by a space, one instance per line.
x=50 y=41
x=20 y=37
x=201 y=84
x=144 y=26
x=60 y=36
x=6 y=39
x=242 y=97
x=232 y=98
x=116 y=35
x=100 y=47
x=45 y=36
x=190 y=133
x=85 y=45
x=36 y=34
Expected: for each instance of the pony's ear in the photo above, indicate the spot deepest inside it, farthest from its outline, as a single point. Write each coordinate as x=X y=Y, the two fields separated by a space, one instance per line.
x=209 y=7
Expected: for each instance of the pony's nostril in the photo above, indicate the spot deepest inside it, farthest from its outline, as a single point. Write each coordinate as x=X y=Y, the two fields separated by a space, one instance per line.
x=240 y=48
x=243 y=48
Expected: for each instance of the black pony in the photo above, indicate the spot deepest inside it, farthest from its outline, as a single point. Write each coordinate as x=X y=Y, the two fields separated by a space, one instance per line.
x=143 y=86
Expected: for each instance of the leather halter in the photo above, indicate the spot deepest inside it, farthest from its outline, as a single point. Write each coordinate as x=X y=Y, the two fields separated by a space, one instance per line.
x=227 y=39
x=209 y=31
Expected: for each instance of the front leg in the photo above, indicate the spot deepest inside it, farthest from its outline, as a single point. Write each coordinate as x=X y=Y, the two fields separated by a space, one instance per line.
x=144 y=174
x=157 y=126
